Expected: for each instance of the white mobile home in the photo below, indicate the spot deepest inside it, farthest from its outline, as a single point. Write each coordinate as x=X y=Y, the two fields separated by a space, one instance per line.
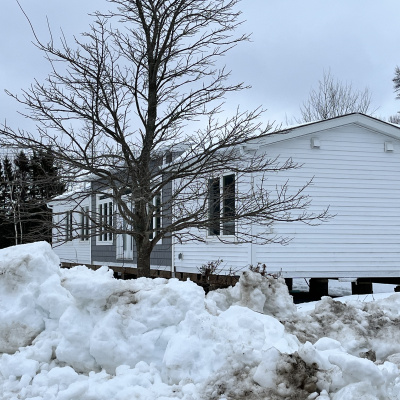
x=354 y=164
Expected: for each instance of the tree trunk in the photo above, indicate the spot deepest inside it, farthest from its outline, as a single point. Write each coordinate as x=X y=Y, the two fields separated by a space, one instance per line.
x=14 y=211
x=143 y=259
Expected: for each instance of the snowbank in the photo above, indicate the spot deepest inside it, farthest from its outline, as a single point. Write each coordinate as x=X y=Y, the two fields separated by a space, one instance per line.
x=81 y=334
x=31 y=293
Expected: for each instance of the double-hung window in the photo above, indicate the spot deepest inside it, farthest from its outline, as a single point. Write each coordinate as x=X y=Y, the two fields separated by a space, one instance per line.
x=221 y=205
x=85 y=224
x=105 y=218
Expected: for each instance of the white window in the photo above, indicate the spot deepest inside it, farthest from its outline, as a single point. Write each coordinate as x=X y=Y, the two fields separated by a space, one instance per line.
x=105 y=219
x=85 y=224
x=221 y=205
x=156 y=221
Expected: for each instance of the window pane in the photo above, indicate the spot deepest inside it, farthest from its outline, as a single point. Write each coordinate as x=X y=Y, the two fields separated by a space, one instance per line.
x=229 y=205
x=105 y=210
x=101 y=221
x=87 y=223
x=157 y=203
x=83 y=225
x=214 y=206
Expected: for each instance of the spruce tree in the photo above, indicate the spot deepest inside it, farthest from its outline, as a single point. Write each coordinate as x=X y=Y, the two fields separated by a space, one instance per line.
x=22 y=197
x=27 y=183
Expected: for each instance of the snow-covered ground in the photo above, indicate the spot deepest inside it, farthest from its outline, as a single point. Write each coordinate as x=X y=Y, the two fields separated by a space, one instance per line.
x=80 y=334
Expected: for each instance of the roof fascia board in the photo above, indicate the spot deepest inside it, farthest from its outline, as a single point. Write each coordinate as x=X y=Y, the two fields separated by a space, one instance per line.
x=320 y=126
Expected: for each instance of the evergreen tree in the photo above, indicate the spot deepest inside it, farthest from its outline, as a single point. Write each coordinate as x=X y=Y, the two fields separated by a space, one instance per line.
x=46 y=183
x=22 y=186
x=26 y=185
x=8 y=169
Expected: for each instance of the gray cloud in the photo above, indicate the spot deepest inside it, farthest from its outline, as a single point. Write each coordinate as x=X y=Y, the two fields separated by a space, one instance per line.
x=292 y=43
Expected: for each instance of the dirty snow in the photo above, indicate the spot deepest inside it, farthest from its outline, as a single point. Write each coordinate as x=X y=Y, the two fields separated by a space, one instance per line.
x=81 y=334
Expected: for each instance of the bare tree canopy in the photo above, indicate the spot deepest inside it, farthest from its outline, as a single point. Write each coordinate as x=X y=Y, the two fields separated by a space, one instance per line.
x=333 y=98
x=116 y=110
x=396 y=81
x=394 y=119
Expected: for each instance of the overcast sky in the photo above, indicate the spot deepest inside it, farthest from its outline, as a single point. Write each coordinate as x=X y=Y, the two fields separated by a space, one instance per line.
x=293 y=42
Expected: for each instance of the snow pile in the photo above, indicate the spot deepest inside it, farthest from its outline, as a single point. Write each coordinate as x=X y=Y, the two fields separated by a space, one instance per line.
x=81 y=334
x=267 y=295
x=121 y=322
x=31 y=293
x=367 y=327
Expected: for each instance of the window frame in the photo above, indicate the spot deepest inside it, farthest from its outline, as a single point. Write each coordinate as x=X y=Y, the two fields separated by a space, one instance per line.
x=69 y=226
x=156 y=219
x=84 y=227
x=104 y=236
x=220 y=203
x=228 y=204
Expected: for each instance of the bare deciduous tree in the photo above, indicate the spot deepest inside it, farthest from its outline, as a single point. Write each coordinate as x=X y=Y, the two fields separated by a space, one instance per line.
x=394 y=119
x=117 y=111
x=333 y=98
x=396 y=81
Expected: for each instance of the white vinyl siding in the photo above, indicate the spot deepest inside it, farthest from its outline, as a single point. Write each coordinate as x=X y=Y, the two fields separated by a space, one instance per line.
x=360 y=182
x=76 y=250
